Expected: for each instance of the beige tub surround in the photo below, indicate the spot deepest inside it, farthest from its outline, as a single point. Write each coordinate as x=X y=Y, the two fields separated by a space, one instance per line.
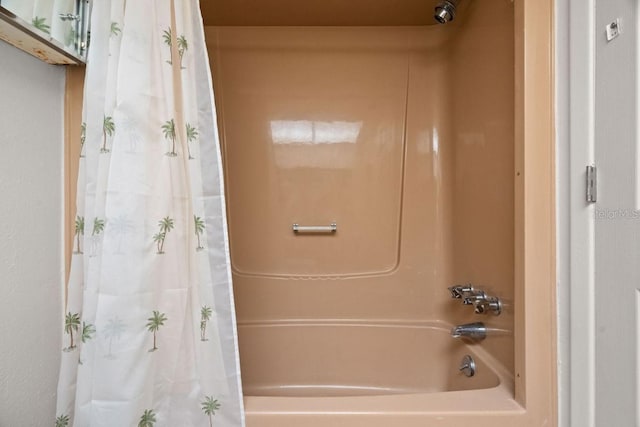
x=411 y=140
x=312 y=136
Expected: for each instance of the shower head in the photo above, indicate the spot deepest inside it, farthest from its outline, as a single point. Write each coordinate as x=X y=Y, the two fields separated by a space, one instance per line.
x=445 y=11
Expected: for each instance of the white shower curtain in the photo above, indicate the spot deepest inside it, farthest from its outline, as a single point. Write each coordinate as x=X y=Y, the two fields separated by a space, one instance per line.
x=150 y=336
x=46 y=16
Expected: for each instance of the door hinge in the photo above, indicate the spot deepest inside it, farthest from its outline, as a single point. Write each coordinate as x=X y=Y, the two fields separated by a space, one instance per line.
x=592 y=184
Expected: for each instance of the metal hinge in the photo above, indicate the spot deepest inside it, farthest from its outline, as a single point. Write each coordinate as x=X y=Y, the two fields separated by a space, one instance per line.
x=592 y=184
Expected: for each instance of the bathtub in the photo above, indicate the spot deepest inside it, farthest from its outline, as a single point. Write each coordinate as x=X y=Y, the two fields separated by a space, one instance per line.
x=304 y=373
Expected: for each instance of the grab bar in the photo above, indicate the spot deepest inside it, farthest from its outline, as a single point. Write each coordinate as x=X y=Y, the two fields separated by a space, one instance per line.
x=297 y=228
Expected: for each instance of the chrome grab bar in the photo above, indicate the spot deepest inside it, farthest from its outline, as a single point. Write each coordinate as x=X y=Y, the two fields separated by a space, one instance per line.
x=332 y=228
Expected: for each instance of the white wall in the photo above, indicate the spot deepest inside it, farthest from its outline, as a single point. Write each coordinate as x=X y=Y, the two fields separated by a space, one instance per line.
x=31 y=203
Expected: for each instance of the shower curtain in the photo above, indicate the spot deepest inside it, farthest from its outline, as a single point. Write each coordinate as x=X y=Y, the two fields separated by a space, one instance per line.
x=149 y=330
x=45 y=15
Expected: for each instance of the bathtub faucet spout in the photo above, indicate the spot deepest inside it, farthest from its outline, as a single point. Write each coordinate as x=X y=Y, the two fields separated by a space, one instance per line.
x=475 y=331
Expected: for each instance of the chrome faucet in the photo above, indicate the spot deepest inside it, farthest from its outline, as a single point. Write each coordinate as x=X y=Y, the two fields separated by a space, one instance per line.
x=461 y=291
x=476 y=331
x=482 y=303
x=475 y=297
x=488 y=304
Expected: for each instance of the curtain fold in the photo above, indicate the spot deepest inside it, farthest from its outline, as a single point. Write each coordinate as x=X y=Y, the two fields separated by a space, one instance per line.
x=150 y=336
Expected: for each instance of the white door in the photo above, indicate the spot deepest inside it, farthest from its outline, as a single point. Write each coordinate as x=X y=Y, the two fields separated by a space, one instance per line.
x=616 y=226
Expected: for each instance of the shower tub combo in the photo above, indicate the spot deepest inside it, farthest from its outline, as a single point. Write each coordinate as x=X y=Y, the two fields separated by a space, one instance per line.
x=373 y=158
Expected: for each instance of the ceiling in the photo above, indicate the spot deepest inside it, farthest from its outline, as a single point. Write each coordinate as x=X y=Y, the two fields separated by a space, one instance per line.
x=317 y=12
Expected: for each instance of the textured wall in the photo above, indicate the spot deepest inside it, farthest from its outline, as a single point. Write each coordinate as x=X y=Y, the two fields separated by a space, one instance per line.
x=31 y=145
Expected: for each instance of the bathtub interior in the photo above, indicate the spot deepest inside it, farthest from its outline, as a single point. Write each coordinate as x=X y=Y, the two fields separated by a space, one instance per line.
x=331 y=359
x=401 y=133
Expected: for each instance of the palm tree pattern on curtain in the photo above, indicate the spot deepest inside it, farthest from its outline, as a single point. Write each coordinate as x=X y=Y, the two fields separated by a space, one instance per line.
x=62 y=421
x=71 y=325
x=130 y=129
x=182 y=48
x=98 y=228
x=205 y=316
x=87 y=333
x=192 y=135
x=169 y=131
x=41 y=24
x=163 y=320
x=113 y=332
x=166 y=225
x=209 y=407
x=167 y=37
x=115 y=29
x=153 y=324
x=148 y=419
x=108 y=128
x=181 y=42
x=121 y=227
x=79 y=231
x=199 y=226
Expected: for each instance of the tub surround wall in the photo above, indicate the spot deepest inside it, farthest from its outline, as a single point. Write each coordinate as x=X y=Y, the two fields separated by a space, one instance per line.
x=312 y=137
x=482 y=88
x=419 y=179
x=389 y=189
x=31 y=118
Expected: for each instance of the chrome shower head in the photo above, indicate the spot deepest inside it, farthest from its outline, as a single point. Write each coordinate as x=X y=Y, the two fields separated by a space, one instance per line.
x=445 y=11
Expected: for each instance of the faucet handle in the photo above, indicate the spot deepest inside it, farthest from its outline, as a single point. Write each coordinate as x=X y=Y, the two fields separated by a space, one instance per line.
x=475 y=298
x=481 y=302
x=461 y=291
x=479 y=307
x=482 y=306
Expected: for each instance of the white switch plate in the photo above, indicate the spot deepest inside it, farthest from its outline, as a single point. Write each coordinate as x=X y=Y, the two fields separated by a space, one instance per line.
x=613 y=30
